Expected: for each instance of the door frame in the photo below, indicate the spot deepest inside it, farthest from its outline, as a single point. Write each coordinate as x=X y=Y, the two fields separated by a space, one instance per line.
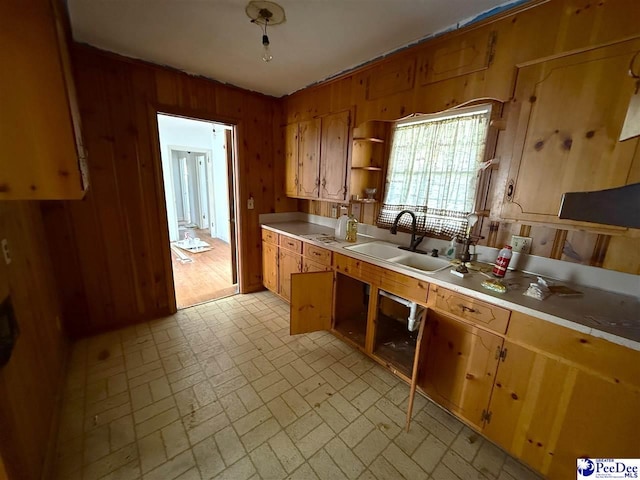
x=235 y=189
x=208 y=153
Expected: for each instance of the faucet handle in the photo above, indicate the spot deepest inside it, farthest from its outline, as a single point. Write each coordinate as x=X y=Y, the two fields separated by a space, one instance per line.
x=434 y=252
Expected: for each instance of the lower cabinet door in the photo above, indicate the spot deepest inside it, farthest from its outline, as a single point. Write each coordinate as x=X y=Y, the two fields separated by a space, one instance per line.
x=270 y=266
x=458 y=366
x=289 y=262
x=529 y=397
x=311 y=302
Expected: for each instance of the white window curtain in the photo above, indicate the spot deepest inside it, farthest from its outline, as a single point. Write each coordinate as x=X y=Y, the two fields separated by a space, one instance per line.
x=433 y=171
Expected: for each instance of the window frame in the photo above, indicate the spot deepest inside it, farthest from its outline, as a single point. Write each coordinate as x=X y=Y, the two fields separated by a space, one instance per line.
x=482 y=199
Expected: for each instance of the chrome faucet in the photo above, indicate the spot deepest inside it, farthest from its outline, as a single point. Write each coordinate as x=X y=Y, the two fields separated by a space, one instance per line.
x=413 y=246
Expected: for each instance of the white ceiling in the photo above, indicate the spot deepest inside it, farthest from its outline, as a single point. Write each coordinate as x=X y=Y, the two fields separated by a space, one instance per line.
x=215 y=39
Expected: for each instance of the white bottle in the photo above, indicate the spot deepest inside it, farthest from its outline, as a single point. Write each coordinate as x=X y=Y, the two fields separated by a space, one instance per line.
x=341 y=224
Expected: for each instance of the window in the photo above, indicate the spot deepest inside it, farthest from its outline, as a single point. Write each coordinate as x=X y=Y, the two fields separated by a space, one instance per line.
x=433 y=170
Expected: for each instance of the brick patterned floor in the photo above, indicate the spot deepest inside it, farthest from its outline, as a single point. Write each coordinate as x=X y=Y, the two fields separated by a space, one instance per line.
x=221 y=390
x=206 y=278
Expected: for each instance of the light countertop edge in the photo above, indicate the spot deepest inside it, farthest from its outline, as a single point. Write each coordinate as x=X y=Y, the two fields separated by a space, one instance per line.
x=630 y=336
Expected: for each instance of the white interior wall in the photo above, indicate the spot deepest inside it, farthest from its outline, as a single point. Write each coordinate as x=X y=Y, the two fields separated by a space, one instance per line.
x=176 y=131
x=220 y=186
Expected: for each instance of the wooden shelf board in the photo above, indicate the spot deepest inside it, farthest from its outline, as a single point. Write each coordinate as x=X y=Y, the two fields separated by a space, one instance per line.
x=371 y=169
x=368 y=139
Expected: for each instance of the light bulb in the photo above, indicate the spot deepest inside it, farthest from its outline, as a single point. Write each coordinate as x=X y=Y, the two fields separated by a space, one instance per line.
x=266 y=55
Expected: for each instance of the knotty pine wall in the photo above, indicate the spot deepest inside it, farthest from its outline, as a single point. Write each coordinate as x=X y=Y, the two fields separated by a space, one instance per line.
x=403 y=83
x=30 y=381
x=111 y=250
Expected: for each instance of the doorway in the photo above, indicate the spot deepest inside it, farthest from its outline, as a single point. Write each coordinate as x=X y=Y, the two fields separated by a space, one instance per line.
x=197 y=168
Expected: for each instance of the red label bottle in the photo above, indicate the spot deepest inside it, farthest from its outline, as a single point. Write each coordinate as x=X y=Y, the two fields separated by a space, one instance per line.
x=502 y=262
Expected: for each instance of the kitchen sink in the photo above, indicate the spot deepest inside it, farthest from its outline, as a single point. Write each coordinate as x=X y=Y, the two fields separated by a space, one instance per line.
x=424 y=263
x=377 y=249
x=389 y=252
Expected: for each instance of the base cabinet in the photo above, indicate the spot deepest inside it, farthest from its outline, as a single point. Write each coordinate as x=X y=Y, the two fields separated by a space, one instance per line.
x=549 y=409
x=270 y=266
x=547 y=394
x=458 y=363
x=289 y=262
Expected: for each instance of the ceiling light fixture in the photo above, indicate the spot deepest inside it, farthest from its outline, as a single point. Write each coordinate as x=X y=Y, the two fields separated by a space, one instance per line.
x=263 y=14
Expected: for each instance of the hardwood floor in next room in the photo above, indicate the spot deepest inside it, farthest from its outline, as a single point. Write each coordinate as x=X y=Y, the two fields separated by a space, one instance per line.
x=207 y=277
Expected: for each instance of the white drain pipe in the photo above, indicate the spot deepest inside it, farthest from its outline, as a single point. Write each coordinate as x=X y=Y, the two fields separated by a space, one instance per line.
x=414 y=318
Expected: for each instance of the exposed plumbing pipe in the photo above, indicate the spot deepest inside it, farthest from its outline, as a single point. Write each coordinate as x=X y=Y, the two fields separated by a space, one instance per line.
x=415 y=310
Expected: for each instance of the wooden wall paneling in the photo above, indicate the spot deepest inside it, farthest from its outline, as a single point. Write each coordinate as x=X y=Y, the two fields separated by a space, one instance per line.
x=158 y=282
x=62 y=250
x=623 y=255
x=30 y=381
x=122 y=260
x=133 y=265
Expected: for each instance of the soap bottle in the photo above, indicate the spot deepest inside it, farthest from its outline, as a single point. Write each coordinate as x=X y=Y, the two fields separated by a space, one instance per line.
x=352 y=229
x=341 y=224
x=502 y=262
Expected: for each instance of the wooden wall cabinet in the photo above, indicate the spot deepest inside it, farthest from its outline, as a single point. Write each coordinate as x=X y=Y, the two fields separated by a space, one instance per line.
x=571 y=113
x=316 y=157
x=43 y=156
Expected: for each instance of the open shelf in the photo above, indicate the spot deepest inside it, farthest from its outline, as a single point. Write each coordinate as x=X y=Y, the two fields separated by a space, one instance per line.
x=368 y=139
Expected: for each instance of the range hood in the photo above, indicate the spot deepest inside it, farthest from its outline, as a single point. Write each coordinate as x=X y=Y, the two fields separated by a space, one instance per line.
x=616 y=206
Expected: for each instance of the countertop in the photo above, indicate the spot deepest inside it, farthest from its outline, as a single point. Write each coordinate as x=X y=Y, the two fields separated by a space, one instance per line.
x=600 y=313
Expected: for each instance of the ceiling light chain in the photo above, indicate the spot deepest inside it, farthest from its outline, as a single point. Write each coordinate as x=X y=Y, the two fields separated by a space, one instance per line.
x=263 y=14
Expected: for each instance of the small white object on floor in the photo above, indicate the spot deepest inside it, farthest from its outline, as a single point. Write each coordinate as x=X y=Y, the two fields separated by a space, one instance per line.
x=193 y=245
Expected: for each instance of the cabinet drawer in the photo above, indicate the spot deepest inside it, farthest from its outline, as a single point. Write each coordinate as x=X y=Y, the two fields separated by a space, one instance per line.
x=309 y=265
x=317 y=254
x=357 y=269
x=470 y=309
x=269 y=236
x=404 y=286
x=291 y=244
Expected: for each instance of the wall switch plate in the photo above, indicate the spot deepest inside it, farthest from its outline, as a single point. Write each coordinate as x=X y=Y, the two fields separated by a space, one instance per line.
x=250 y=203
x=334 y=212
x=521 y=244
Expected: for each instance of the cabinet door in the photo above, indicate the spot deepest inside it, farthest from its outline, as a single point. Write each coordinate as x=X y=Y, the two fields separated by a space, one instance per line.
x=528 y=403
x=602 y=420
x=571 y=114
x=334 y=153
x=458 y=366
x=311 y=302
x=288 y=262
x=42 y=154
x=291 y=159
x=309 y=158
x=270 y=266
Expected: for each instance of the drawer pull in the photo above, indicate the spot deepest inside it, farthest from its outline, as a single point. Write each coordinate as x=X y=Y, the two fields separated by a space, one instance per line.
x=466 y=309
x=316 y=254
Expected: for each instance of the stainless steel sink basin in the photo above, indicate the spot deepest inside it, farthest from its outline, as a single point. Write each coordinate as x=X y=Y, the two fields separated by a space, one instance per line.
x=389 y=252
x=380 y=250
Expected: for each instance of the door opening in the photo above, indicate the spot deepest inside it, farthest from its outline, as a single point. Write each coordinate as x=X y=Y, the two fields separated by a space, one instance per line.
x=197 y=165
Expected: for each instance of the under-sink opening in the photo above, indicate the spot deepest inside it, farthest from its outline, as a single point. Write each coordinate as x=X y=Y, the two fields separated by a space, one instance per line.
x=351 y=308
x=394 y=342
